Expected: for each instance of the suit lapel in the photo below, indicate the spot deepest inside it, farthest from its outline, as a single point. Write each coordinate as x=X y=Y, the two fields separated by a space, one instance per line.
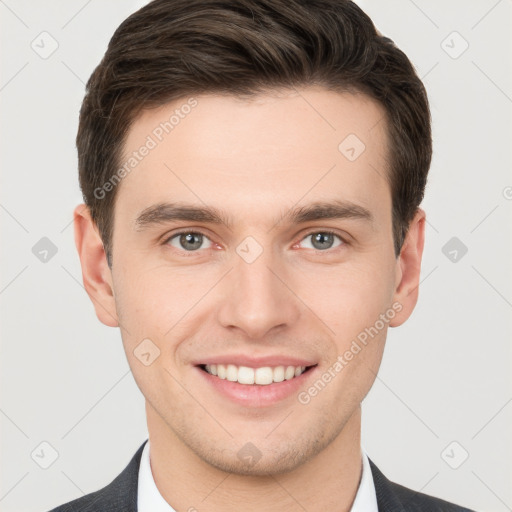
x=387 y=501
x=121 y=494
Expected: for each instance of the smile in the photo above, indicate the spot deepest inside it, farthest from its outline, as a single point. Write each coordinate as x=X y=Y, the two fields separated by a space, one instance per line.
x=262 y=376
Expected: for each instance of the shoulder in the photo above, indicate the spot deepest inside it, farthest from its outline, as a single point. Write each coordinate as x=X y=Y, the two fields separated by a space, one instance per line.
x=394 y=497
x=120 y=495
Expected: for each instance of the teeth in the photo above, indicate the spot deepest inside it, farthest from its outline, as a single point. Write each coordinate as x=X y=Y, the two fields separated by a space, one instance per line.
x=289 y=373
x=262 y=376
x=278 y=375
x=232 y=372
x=221 y=371
x=245 y=375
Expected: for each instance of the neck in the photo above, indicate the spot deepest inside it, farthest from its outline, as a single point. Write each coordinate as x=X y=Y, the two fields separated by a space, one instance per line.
x=329 y=481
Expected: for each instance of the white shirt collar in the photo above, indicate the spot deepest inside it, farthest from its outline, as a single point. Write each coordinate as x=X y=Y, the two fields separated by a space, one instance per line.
x=366 y=497
x=149 y=498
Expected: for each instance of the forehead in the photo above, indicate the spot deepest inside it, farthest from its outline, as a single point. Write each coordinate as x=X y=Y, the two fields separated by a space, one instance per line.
x=276 y=148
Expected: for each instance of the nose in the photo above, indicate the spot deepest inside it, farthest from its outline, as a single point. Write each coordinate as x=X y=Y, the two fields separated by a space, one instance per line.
x=258 y=297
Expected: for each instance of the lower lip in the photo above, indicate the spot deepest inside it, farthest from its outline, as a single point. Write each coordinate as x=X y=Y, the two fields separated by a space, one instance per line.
x=254 y=395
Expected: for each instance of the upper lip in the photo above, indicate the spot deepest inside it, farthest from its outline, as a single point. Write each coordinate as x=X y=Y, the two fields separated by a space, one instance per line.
x=255 y=362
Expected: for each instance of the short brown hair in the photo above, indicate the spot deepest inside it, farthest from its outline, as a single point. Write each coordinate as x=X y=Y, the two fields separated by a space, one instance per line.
x=172 y=48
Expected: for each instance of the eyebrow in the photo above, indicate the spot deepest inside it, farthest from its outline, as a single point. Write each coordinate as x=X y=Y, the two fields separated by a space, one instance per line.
x=162 y=213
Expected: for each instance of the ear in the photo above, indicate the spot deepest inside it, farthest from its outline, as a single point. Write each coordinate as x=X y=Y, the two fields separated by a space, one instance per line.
x=409 y=268
x=96 y=274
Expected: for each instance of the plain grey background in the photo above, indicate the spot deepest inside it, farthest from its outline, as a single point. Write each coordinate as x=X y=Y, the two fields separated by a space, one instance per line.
x=439 y=416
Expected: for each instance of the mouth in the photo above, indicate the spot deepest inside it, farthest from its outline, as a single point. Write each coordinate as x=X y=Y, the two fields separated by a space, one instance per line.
x=255 y=380
x=256 y=387
x=261 y=376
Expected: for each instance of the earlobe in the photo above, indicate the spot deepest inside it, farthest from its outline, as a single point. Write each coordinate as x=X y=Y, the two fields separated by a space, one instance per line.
x=409 y=269
x=96 y=274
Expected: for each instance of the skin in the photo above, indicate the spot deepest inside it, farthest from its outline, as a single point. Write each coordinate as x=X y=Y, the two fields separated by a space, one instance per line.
x=255 y=159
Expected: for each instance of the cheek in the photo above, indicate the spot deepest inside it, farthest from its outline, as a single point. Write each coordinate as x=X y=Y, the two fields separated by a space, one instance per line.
x=143 y=305
x=356 y=305
x=348 y=298
x=161 y=304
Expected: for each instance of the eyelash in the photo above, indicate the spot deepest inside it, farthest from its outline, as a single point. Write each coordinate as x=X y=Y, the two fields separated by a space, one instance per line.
x=323 y=231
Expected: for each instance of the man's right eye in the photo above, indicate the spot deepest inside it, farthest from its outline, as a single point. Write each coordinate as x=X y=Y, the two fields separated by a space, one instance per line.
x=189 y=241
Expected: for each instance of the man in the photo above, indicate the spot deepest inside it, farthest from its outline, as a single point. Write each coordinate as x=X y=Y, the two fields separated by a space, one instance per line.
x=252 y=173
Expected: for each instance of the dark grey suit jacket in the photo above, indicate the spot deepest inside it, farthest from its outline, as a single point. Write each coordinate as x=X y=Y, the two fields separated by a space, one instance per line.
x=121 y=495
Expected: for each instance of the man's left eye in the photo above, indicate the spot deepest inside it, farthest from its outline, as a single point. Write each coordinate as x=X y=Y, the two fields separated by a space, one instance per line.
x=322 y=240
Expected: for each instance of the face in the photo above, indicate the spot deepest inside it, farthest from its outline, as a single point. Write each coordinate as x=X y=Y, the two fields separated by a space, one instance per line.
x=254 y=241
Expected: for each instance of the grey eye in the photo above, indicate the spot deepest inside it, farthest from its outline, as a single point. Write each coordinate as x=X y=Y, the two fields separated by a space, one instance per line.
x=189 y=241
x=322 y=240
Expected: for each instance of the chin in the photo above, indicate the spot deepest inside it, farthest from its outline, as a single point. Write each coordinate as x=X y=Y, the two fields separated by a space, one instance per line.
x=263 y=458
x=266 y=466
